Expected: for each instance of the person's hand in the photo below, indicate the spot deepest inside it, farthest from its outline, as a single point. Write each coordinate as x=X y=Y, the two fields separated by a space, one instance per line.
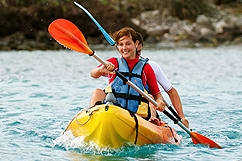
x=161 y=106
x=109 y=66
x=185 y=122
x=155 y=121
x=108 y=69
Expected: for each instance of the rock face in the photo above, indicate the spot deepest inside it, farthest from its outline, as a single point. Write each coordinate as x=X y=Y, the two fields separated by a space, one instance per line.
x=205 y=31
x=25 y=28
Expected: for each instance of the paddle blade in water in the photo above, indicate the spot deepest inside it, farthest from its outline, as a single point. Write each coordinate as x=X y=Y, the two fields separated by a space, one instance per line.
x=200 y=139
x=68 y=35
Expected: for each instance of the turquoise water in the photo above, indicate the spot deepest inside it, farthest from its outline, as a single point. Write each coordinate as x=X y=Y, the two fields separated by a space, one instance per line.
x=41 y=91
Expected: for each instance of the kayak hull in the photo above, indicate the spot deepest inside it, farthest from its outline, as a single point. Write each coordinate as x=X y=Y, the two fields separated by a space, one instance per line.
x=112 y=126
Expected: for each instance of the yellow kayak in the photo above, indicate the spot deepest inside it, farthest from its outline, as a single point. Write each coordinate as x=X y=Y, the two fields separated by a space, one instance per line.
x=112 y=126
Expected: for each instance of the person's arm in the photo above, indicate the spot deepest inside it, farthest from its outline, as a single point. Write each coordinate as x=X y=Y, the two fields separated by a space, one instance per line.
x=176 y=101
x=154 y=89
x=101 y=70
x=161 y=104
x=98 y=71
x=171 y=91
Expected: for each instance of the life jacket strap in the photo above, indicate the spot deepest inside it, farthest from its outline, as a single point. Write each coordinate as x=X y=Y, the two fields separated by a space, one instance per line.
x=131 y=97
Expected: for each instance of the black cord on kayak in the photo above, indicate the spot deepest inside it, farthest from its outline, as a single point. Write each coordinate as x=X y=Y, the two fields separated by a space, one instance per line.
x=173 y=134
x=136 y=125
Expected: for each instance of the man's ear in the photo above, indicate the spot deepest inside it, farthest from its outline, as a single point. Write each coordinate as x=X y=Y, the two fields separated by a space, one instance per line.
x=136 y=43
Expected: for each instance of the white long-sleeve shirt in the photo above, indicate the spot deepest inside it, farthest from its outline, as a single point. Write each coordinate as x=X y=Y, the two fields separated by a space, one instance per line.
x=160 y=76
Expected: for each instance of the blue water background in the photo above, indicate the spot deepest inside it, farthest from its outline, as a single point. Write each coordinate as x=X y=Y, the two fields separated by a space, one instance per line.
x=41 y=91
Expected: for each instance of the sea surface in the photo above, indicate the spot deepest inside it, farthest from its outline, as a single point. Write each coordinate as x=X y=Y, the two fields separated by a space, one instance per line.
x=41 y=91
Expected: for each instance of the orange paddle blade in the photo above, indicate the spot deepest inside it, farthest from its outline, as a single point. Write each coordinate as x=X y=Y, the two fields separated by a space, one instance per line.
x=68 y=35
x=200 y=139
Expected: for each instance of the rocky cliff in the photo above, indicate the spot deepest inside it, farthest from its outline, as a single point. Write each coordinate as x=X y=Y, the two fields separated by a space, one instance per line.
x=25 y=28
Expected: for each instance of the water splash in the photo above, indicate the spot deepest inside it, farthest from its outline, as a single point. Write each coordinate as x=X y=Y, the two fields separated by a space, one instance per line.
x=69 y=142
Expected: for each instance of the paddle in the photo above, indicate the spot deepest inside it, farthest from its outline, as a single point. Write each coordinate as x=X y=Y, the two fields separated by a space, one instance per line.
x=68 y=35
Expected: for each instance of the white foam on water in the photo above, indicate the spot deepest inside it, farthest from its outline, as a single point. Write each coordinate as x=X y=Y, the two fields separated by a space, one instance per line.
x=68 y=141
